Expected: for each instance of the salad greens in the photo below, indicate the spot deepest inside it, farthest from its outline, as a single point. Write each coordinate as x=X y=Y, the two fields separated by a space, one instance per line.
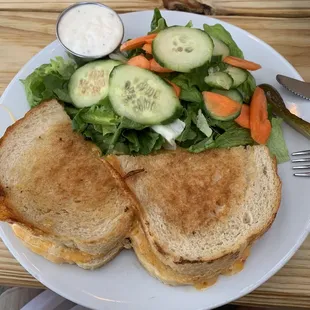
x=202 y=124
x=246 y=89
x=219 y=32
x=49 y=81
x=188 y=90
x=276 y=142
x=158 y=23
x=195 y=130
x=115 y=134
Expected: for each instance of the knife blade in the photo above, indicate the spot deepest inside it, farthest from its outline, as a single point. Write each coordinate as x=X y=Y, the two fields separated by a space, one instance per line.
x=297 y=87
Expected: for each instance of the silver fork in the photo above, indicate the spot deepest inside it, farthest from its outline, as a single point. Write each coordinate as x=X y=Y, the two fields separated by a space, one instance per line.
x=301 y=161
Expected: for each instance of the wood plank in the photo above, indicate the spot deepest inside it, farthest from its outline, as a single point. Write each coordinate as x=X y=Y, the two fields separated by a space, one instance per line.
x=59 y=5
x=23 y=34
x=289 y=287
x=281 y=8
x=277 y=8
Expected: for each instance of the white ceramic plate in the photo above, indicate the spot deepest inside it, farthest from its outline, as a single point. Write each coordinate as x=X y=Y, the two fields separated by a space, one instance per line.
x=123 y=283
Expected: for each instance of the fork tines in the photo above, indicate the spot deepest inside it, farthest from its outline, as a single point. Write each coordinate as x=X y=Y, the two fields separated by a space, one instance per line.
x=301 y=160
x=306 y=152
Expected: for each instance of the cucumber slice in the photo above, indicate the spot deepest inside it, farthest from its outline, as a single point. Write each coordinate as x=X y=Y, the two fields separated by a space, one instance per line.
x=220 y=48
x=142 y=96
x=232 y=94
x=220 y=80
x=238 y=75
x=182 y=49
x=90 y=84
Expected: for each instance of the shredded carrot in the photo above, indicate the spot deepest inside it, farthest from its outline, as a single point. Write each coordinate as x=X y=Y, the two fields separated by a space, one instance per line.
x=139 y=61
x=148 y=48
x=259 y=122
x=137 y=42
x=156 y=67
x=176 y=88
x=244 y=118
x=241 y=63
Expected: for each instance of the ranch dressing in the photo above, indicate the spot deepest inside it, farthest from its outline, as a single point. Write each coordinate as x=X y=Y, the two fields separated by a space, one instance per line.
x=90 y=30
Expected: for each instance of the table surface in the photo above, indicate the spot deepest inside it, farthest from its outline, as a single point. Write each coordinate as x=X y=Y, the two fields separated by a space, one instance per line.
x=28 y=26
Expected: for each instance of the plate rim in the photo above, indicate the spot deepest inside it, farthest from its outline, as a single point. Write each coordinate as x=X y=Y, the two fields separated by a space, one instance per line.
x=248 y=289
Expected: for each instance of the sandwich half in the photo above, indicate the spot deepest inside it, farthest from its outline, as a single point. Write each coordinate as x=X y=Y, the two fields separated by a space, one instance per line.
x=55 y=187
x=199 y=213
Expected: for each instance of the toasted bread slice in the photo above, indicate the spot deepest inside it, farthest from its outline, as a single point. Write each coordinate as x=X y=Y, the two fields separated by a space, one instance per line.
x=54 y=182
x=199 y=212
x=59 y=253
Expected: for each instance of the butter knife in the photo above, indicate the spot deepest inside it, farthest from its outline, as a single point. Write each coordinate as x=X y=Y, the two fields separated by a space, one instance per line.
x=297 y=87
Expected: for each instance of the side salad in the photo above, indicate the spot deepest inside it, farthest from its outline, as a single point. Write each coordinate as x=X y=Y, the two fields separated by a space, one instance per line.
x=175 y=86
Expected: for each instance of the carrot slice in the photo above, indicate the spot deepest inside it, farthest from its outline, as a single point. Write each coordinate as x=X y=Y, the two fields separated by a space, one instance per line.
x=241 y=63
x=259 y=122
x=221 y=107
x=149 y=40
x=139 y=61
x=244 y=118
x=148 y=48
x=156 y=67
x=137 y=42
x=176 y=88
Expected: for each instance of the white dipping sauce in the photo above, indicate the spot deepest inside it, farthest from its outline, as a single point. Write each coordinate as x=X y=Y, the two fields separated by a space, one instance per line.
x=90 y=30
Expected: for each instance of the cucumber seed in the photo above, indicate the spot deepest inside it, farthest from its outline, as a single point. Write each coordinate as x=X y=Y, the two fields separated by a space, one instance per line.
x=188 y=49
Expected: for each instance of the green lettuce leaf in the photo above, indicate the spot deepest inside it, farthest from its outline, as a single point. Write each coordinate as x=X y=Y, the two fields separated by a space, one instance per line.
x=158 y=23
x=105 y=129
x=78 y=124
x=71 y=110
x=226 y=134
x=203 y=125
x=276 y=142
x=188 y=92
x=202 y=145
x=219 y=32
x=129 y=124
x=148 y=141
x=103 y=141
x=114 y=134
x=189 y=24
x=49 y=81
x=196 y=77
x=191 y=134
x=161 y=25
x=133 y=140
x=188 y=133
x=230 y=138
x=99 y=115
x=247 y=88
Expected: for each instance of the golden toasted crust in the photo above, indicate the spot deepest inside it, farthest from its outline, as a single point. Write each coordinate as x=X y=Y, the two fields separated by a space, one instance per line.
x=41 y=246
x=228 y=265
x=59 y=253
